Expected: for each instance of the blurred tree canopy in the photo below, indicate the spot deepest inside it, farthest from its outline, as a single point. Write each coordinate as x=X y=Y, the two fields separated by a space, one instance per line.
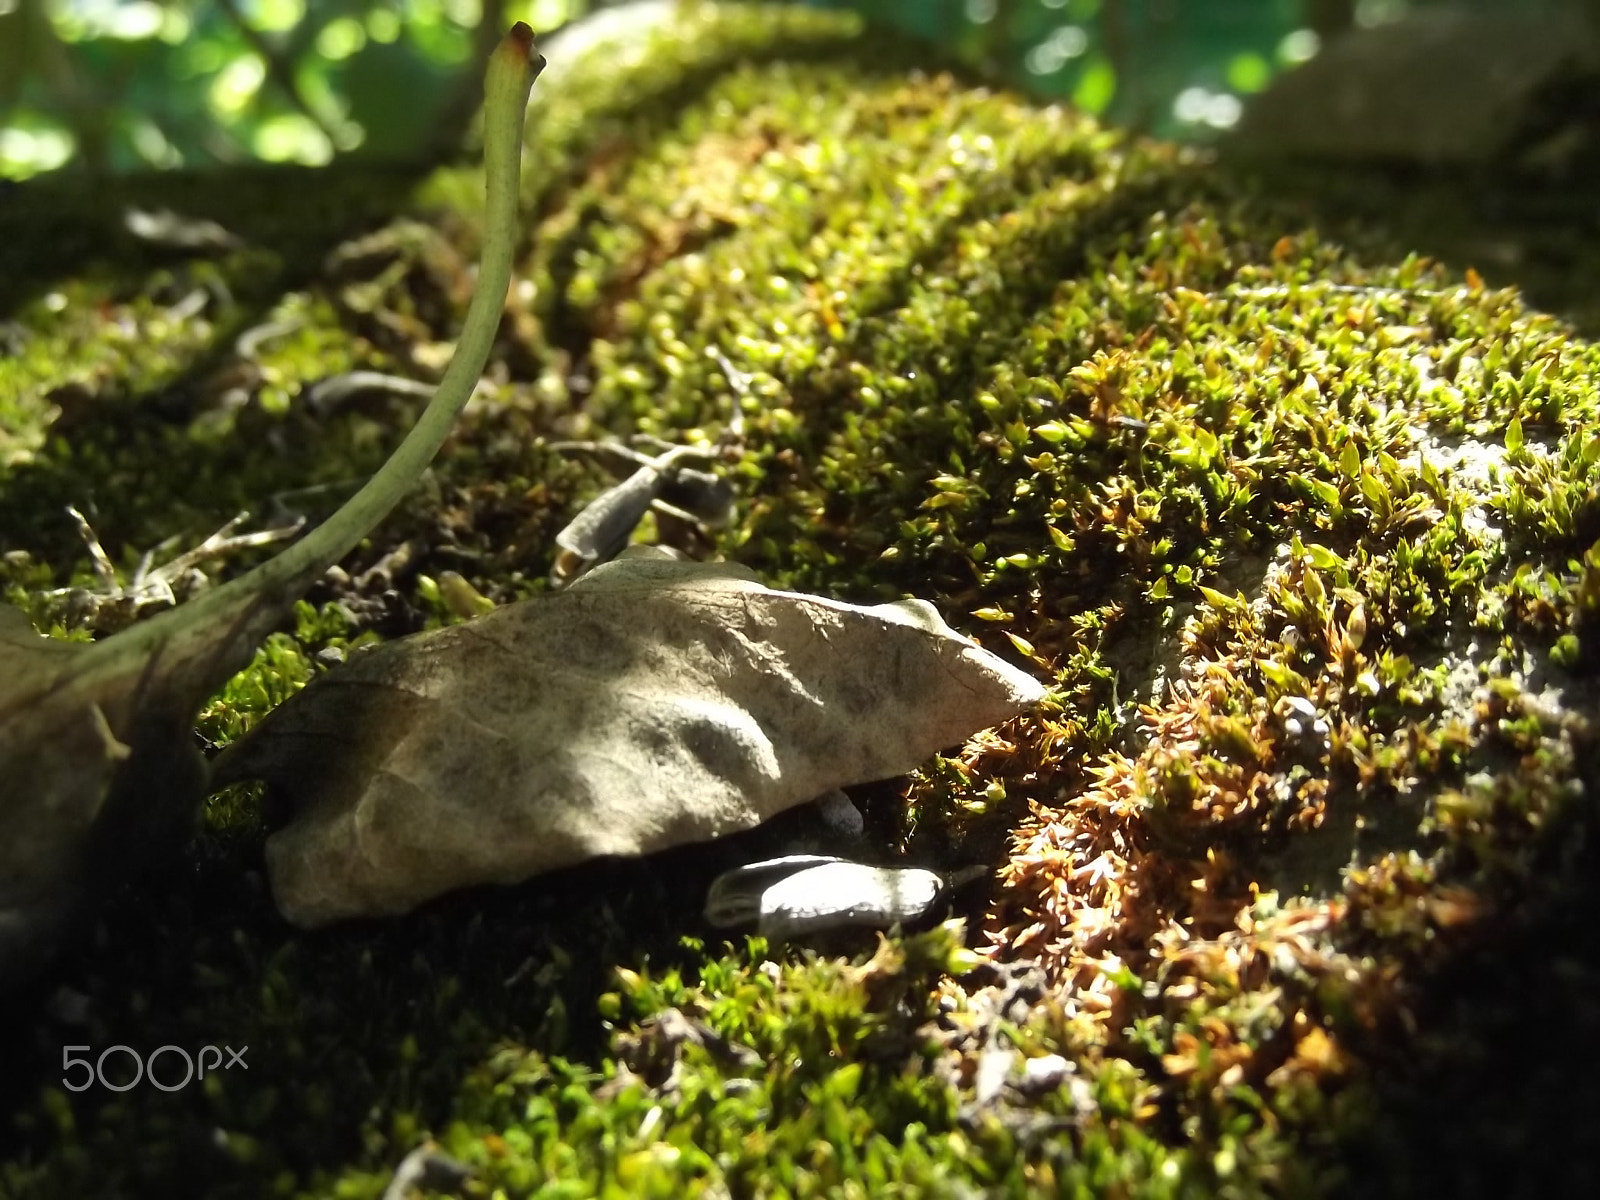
x=119 y=85
x=122 y=85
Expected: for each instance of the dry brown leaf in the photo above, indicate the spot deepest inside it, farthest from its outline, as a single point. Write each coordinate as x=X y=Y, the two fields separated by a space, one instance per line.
x=653 y=703
x=99 y=762
x=98 y=769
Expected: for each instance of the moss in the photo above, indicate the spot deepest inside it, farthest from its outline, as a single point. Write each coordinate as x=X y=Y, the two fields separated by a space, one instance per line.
x=1303 y=537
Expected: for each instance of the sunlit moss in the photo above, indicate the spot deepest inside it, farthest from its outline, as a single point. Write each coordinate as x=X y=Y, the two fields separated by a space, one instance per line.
x=1303 y=546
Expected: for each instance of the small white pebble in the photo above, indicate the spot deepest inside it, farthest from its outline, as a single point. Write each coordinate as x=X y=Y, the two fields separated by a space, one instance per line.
x=1043 y=1074
x=1301 y=719
x=994 y=1065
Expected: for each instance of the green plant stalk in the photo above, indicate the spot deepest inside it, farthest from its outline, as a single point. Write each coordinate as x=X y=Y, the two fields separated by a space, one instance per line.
x=238 y=607
x=99 y=774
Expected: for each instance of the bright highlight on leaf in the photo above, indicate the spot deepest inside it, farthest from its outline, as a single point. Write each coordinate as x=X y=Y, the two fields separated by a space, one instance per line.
x=292 y=137
x=236 y=83
x=1096 y=87
x=340 y=38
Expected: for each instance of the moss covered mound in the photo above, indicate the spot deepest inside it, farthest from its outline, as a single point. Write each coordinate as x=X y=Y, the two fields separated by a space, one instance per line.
x=1291 y=870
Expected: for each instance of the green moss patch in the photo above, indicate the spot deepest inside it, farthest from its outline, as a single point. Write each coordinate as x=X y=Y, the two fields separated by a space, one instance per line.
x=1306 y=543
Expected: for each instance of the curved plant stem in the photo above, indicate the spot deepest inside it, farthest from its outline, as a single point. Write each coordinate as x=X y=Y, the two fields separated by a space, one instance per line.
x=99 y=773
x=246 y=608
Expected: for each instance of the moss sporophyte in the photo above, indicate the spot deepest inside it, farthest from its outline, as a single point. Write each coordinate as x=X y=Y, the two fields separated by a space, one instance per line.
x=1293 y=864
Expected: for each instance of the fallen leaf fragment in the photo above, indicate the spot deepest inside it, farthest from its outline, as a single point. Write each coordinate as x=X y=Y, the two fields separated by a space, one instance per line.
x=97 y=762
x=651 y=704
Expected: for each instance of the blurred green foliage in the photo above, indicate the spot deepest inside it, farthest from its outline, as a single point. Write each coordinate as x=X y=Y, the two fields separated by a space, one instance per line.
x=119 y=85
x=1181 y=69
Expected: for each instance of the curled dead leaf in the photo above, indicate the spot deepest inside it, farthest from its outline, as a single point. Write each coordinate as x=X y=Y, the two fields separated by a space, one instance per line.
x=651 y=704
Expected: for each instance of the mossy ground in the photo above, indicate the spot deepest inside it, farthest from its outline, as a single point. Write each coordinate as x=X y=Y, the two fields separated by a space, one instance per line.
x=1306 y=545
